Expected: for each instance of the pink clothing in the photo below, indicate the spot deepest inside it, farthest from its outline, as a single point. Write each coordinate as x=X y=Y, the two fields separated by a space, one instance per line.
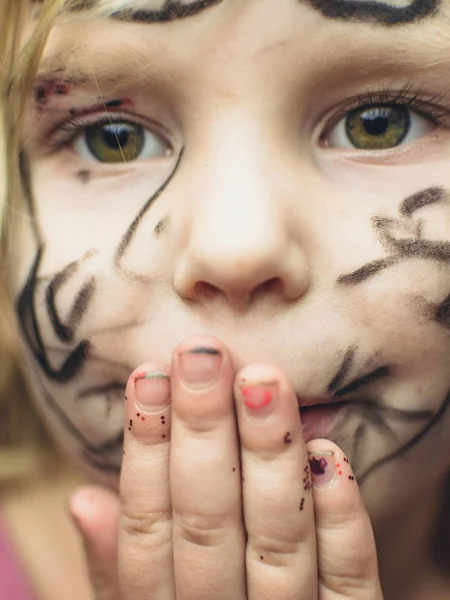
x=13 y=583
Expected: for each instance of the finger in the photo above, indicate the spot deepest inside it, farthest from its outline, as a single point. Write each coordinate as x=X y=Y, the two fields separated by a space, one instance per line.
x=145 y=533
x=277 y=497
x=95 y=511
x=346 y=548
x=208 y=536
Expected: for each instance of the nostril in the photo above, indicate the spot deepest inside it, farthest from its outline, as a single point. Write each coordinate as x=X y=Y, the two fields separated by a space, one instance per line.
x=206 y=290
x=270 y=287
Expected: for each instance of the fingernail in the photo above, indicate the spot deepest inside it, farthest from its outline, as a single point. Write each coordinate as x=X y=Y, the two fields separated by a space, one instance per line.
x=323 y=468
x=259 y=398
x=200 y=367
x=152 y=391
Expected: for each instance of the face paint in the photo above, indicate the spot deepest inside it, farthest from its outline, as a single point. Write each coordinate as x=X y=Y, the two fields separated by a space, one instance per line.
x=414 y=246
x=170 y=10
x=381 y=13
x=114 y=264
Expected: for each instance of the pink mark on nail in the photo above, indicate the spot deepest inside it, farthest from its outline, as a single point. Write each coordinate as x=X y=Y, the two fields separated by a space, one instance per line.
x=256 y=396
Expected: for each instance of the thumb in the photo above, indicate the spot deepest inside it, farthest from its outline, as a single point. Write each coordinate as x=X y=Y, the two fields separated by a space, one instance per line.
x=95 y=511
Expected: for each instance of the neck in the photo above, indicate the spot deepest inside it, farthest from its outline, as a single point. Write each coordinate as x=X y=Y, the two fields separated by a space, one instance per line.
x=408 y=552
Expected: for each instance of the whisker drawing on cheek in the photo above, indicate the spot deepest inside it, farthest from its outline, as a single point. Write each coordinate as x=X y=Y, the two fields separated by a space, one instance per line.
x=343 y=371
x=427 y=197
x=133 y=228
x=162 y=226
x=365 y=272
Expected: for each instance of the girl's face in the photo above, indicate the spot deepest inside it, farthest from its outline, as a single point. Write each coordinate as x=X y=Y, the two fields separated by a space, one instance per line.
x=273 y=173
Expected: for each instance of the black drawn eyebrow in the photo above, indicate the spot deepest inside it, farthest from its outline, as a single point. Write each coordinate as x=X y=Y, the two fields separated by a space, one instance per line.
x=171 y=11
x=380 y=13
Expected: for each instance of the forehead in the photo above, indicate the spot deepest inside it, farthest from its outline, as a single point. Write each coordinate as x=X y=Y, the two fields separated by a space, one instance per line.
x=229 y=32
x=383 y=12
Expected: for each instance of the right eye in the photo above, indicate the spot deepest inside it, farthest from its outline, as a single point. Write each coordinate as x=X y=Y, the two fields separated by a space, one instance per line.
x=119 y=142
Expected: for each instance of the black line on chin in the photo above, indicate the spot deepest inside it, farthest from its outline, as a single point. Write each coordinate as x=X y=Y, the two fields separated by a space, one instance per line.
x=343 y=371
x=361 y=382
x=410 y=444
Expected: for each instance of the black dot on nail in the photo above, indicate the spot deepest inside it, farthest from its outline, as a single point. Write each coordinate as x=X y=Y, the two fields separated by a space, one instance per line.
x=163 y=436
x=129 y=428
x=126 y=397
x=351 y=477
x=234 y=469
x=138 y=414
x=261 y=558
x=131 y=422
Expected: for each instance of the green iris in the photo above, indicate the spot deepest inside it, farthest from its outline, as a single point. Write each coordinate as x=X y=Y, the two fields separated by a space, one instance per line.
x=115 y=142
x=378 y=127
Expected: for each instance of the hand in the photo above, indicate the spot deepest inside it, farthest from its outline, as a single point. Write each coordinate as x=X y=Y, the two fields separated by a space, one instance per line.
x=219 y=503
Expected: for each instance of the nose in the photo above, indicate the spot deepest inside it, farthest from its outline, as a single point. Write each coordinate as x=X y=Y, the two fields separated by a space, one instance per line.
x=240 y=242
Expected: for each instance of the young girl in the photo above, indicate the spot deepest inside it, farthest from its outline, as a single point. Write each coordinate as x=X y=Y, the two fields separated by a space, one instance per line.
x=222 y=211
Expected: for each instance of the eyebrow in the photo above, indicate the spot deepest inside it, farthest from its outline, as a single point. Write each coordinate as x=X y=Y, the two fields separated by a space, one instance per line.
x=381 y=13
x=369 y=11
x=170 y=11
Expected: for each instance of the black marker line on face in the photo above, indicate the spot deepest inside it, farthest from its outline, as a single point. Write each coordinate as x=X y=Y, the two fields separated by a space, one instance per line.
x=365 y=272
x=427 y=197
x=413 y=247
x=408 y=445
x=171 y=11
x=132 y=229
x=342 y=372
x=361 y=382
x=30 y=329
x=380 y=13
x=65 y=331
x=162 y=226
x=84 y=175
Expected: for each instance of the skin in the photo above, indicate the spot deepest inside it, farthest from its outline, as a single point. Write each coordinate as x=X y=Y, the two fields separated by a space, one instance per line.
x=249 y=215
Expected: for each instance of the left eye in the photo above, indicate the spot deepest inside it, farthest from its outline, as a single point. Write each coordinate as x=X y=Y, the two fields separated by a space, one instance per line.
x=119 y=142
x=378 y=127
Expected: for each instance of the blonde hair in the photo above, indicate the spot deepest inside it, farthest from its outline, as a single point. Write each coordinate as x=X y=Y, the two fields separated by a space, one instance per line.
x=25 y=446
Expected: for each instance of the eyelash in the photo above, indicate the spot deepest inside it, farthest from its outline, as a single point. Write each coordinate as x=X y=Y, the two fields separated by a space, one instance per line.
x=64 y=134
x=408 y=97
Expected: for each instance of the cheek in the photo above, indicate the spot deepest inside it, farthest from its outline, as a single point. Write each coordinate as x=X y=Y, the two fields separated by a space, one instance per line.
x=74 y=217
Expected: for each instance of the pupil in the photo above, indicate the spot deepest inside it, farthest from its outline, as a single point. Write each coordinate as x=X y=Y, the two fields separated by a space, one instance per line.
x=376 y=126
x=116 y=137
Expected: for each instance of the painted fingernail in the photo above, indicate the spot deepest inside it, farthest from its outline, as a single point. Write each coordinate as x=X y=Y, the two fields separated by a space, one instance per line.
x=152 y=391
x=323 y=468
x=200 y=367
x=259 y=398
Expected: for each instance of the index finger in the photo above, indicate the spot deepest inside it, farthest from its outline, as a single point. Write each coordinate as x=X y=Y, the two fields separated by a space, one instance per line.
x=145 y=531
